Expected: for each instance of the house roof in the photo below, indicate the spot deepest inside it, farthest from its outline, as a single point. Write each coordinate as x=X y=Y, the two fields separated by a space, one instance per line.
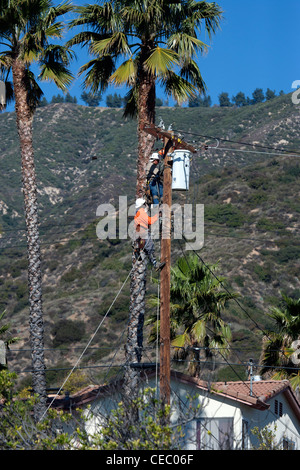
x=255 y=395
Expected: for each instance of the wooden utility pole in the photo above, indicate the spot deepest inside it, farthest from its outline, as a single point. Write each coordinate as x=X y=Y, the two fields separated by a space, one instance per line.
x=171 y=143
x=165 y=278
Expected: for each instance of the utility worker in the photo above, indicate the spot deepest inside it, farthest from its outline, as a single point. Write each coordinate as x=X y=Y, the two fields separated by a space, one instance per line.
x=154 y=172
x=141 y=222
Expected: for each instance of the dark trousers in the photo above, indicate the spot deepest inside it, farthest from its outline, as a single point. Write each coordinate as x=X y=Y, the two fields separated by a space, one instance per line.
x=156 y=189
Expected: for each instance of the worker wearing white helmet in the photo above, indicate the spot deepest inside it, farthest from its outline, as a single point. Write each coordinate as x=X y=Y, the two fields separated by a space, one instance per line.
x=154 y=175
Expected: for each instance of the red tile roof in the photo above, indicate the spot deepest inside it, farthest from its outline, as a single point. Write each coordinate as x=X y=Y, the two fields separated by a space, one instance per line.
x=263 y=389
x=256 y=394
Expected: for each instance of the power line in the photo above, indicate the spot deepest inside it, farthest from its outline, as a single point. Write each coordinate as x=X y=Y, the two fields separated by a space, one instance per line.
x=91 y=339
x=88 y=238
x=240 y=143
x=236 y=301
x=89 y=222
x=121 y=365
x=262 y=240
x=222 y=149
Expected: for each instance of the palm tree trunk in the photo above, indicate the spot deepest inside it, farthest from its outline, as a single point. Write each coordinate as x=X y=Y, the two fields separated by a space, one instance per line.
x=134 y=344
x=133 y=348
x=24 y=116
x=146 y=112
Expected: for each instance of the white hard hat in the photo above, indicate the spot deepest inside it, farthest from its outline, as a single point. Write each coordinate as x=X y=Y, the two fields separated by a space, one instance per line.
x=139 y=202
x=154 y=156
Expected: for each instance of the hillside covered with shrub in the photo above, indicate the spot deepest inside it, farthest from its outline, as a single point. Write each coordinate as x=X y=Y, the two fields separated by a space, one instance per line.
x=87 y=156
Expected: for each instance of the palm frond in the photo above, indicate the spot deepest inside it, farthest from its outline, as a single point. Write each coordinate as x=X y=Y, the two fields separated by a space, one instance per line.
x=186 y=45
x=181 y=341
x=161 y=61
x=54 y=30
x=56 y=72
x=191 y=72
x=177 y=87
x=103 y=19
x=199 y=330
x=125 y=74
x=54 y=12
x=34 y=92
x=4 y=329
x=295 y=381
x=84 y=38
x=208 y=12
x=98 y=73
x=131 y=99
x=117 y=43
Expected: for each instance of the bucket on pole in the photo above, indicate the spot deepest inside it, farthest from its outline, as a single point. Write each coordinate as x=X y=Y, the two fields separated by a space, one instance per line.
x=181 y=170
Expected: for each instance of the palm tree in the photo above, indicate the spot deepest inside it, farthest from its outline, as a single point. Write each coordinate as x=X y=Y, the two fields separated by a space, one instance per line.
x=197 y=303
x=278 y=341
x=26 y=27
x=139 y=43
x=152 y=38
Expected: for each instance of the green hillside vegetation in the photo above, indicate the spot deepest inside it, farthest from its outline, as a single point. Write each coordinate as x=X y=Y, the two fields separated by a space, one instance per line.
x=86 y=156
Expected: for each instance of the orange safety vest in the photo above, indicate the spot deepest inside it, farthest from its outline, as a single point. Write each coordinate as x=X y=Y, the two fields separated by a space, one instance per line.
x=142 y=221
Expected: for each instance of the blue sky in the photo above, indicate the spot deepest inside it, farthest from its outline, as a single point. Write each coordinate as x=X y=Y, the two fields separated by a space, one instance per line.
x=256 y=47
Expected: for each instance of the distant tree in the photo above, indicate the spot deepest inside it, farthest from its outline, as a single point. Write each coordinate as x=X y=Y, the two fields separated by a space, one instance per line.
x=224 y=100
x=70 y=99
x=240 y=100
x=114 y=101
x=91 y=99
x=270 y=94
x=159 y=102
x=63 y=99
x=206 y=101
x=199 y=100
x=258 y=96
x=42 y=103
x=57 y=99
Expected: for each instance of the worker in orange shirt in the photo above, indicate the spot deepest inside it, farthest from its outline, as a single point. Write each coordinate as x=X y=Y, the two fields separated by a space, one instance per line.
x=142 y=221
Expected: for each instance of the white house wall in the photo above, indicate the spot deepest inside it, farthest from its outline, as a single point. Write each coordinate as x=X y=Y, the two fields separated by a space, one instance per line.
x=212 y=406
x=285 y=426
x=216 y=406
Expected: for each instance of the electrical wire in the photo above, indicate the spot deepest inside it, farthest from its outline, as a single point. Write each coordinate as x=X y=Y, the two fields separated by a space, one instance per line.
x=89 y=238
x=231 y=365
x=222 y=149
x=235 y=300
x=90 y=341
x=293 y=152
